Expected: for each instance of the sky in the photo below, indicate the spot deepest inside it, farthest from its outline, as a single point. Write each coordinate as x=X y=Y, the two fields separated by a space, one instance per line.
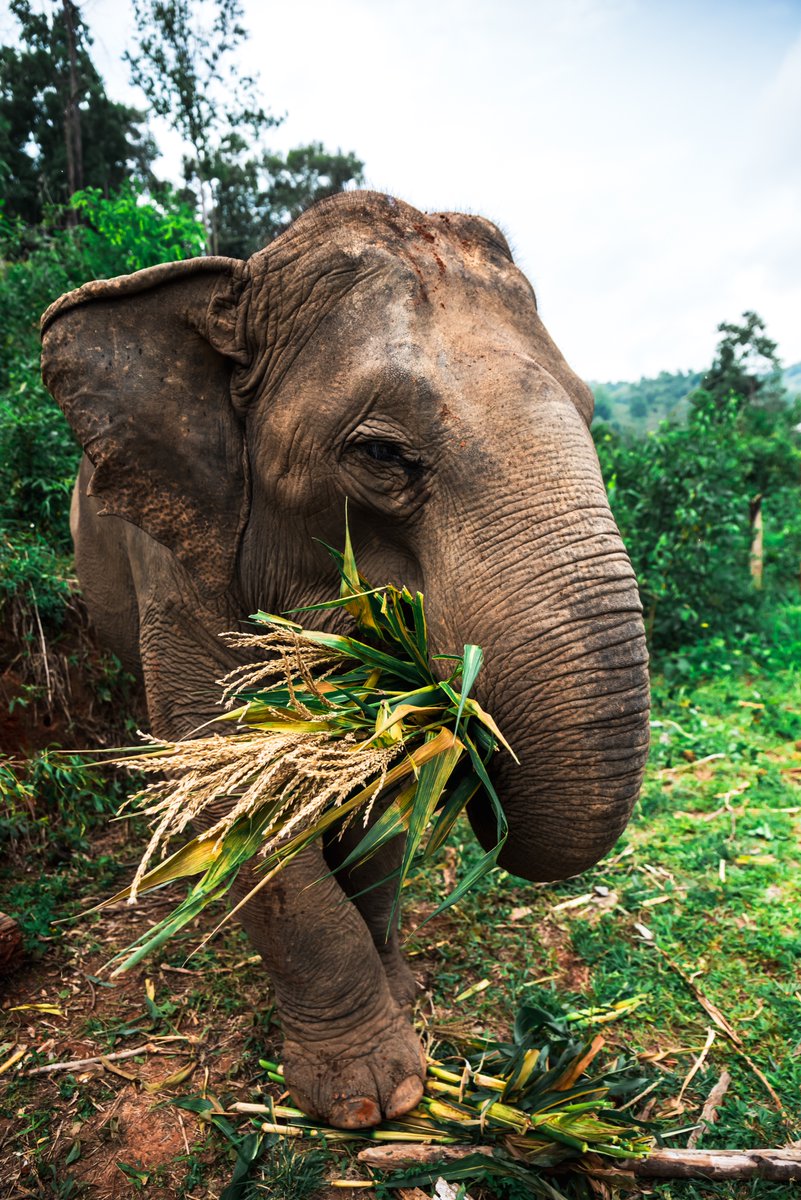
x=642 y=156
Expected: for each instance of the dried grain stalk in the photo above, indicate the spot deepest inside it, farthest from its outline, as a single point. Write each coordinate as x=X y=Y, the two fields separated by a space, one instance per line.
x=317 y=730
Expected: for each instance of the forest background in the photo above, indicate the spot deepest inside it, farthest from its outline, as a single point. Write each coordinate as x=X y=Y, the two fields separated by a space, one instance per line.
x=703 y=469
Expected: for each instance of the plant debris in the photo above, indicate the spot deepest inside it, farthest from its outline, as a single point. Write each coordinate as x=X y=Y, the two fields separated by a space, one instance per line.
x=530 y=1104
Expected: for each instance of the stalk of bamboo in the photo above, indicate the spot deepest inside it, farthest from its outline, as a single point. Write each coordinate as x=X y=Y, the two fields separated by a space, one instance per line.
x=778 y=1165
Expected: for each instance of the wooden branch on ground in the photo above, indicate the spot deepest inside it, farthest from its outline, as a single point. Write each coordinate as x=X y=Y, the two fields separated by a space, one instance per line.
x=76 y=1064
x=414 y=1154
x=10 y=944
x=709 y=1113
x=778 y=1165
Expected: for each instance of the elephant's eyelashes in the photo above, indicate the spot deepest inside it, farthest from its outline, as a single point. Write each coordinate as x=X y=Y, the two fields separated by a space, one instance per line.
x=392 y=453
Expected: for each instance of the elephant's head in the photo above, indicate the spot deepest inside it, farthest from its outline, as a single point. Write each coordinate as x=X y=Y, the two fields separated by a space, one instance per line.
x=397 y=360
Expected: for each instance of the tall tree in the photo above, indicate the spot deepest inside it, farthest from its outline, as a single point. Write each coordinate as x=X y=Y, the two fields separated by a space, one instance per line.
x=258 y=197
x=187 y=63
x=73 y=140
x=58 y=129
x=746 y=365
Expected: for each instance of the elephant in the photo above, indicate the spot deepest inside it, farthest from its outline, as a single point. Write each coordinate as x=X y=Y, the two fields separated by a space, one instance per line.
x=393 y=360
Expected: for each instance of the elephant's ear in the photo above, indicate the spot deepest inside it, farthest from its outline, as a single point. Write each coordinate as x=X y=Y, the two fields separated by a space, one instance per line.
x=141 y=366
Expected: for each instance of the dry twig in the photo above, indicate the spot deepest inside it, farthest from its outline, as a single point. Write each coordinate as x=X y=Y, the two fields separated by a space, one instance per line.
x=100 y=1060
x=721 y=1022
x=709 y=1113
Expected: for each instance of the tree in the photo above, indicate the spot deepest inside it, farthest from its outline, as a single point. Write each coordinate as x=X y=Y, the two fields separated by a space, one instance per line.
x=121 y=232
x=186 y=65
x=603 y=409
x=711 y=511
x=745 y=365
x=258 y=198
x=746 y=375
x=58 y=129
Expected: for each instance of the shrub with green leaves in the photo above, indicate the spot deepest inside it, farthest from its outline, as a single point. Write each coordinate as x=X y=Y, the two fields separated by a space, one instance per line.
x=120 y=233
x=39 y=457
x=682 y=498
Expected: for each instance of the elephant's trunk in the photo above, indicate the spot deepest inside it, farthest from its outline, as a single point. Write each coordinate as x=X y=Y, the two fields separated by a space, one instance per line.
x=581 y=739
x=560 y=621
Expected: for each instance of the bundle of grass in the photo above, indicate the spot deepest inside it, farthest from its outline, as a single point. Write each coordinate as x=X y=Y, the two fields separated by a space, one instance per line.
x=323 y=726
x=525 y=1106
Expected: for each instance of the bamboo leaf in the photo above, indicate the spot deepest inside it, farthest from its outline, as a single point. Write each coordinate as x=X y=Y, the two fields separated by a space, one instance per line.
x=471 y=665
x=474 y=709
x=447 y=816
x=192 y=859
x=431 y=784
x=353 y=589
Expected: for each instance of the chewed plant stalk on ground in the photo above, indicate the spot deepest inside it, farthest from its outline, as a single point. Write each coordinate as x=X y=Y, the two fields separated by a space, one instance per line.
x=319 y=729
x=536 y=1102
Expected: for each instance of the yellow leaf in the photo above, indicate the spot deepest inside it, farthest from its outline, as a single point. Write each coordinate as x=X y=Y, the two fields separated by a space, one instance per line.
x=52 y=1009
x=474 y=708
x=15 y=1057
x=473 y=991
x=352 y=585
x=179 y=1076
x=192 y=859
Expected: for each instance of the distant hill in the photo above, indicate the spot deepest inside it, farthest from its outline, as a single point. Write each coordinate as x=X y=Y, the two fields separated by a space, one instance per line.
x=639 y=407
x=792 y=379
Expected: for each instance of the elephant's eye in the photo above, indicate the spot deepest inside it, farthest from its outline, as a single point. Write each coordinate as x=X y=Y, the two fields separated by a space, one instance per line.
x=392 y=453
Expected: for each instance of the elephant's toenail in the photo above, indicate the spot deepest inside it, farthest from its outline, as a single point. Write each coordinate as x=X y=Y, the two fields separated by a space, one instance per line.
x=405 y=1097
x=358 y=1112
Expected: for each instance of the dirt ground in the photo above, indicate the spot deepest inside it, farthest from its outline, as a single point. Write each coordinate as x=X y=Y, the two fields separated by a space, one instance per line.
x=107 y=1129
x=92 y=1121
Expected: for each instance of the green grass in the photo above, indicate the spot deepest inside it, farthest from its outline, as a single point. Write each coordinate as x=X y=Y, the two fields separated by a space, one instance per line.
x=739 y=933
x=732 y=928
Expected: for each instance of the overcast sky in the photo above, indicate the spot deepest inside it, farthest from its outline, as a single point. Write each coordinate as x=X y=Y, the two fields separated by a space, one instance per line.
x=642 y=156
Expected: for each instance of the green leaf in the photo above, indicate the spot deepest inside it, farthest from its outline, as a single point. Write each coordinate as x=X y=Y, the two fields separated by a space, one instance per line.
x=431 y=784
x=471 y=665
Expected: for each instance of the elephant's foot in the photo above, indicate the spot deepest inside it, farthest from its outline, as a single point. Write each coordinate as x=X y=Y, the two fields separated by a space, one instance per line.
x=402 y=983
x=354 y=1080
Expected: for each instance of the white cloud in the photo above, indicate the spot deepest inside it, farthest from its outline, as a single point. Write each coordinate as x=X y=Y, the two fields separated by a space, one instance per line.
x=643 y=158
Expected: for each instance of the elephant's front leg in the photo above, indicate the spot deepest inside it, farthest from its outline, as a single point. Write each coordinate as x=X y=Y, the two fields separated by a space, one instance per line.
x=375 y=899
x=351 y=1056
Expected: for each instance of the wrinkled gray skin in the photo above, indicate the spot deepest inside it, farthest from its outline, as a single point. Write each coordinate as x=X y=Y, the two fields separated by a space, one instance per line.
x=227 y=410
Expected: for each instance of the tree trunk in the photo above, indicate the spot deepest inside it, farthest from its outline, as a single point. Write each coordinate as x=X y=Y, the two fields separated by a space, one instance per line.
x=72 y=114
x=757 y=551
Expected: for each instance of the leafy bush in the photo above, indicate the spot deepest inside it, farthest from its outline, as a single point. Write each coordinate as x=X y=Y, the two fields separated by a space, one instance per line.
x=122 y=232
x=51 y=806
x=678 y=499
x=125 y=232
x=44 y=625
x=35 y=572
x=53 y=801
x=683 y=498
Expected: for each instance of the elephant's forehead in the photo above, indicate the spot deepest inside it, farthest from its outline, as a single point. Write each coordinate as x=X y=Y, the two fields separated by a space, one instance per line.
x=470 y=330
x=416 y=304
x=383 y=307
